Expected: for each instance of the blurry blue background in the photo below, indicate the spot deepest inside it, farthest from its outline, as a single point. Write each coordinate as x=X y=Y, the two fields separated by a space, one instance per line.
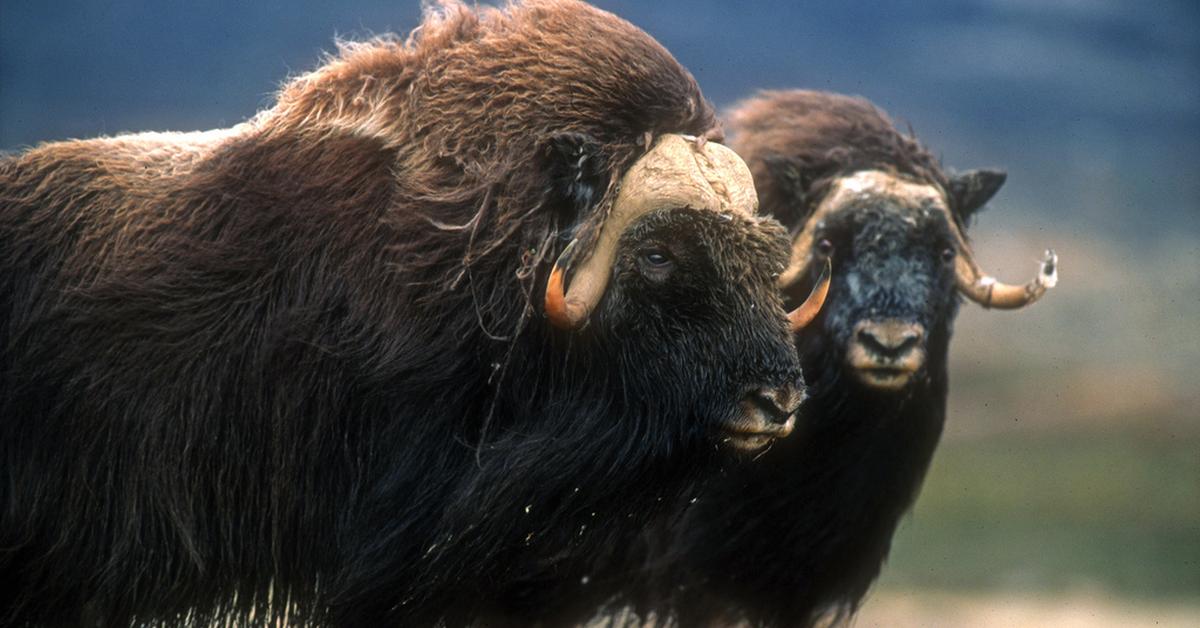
x=1069 y=469
x=1095 y=104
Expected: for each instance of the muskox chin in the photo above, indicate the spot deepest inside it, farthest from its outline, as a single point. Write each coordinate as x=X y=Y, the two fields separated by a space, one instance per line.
x=296 y=371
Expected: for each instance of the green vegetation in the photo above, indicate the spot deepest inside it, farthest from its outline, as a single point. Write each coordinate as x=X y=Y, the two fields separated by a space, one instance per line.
x=1112 y=508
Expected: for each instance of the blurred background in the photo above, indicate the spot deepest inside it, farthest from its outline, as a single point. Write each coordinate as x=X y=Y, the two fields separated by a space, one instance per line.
x=1066 y=491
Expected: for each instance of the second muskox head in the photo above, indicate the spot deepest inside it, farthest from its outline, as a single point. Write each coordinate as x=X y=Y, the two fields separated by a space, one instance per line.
x=878 y=207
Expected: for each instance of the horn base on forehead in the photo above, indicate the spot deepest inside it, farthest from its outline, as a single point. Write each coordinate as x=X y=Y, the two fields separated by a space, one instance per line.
x=677 y=172
x=844 y=190
x=971 y=280
x=989 y=293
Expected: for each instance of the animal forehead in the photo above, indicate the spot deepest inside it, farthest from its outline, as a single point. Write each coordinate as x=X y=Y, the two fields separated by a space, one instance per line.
x=721 y=235
x=875 y=198
x=876 y=185
x=681 y=171
x=870 y=200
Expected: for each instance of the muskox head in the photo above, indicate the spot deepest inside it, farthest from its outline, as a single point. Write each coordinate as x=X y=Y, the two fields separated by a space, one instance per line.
x=682 y=263
x=878 y=208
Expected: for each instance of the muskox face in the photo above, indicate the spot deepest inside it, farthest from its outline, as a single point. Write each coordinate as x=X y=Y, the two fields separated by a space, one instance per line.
x=900 y=257
x=699 y=288
x=681 y=279
x=892 y=246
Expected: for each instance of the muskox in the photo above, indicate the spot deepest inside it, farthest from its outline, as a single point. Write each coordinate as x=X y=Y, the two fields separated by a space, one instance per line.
x=798 y=537
x=418 y=344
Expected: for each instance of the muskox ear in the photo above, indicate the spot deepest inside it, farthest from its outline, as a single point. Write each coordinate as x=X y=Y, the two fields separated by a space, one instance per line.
x=971 y=190
x=789 y=177
x=576 y=167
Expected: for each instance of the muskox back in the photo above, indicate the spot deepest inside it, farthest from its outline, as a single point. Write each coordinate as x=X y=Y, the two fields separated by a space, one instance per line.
x=300 y=370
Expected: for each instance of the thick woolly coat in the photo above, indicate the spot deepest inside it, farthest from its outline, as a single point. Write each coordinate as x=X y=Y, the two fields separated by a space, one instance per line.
x=298 y=369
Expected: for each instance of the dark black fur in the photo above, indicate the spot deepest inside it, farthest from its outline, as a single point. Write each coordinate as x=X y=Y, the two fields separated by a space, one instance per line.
x=300 y=374
x=801 y=535
x=805 y=531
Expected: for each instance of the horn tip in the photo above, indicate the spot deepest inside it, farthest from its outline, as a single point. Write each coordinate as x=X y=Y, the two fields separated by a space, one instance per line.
x=1049 y=273
x=800 y=317
x=563 y=312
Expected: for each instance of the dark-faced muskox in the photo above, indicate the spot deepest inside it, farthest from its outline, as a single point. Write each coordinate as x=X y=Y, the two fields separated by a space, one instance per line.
x=418 y=344
x=799 y=536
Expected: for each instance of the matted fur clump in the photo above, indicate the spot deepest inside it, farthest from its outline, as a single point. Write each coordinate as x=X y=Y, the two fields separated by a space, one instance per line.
x=297 y=370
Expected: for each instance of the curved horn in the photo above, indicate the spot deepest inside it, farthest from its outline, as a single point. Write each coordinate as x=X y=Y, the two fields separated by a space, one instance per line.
x=842 y=191
x=983 y=289
x=562 y=313
x=972 y=281
x=678 y=171
x=986 y=291
x=800 y=317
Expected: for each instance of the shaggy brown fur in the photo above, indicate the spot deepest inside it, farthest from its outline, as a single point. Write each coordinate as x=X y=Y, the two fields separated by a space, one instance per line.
x=295 y=366
x=822 y=135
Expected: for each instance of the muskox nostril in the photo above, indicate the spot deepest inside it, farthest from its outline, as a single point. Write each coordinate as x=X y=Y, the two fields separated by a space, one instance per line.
x=889 y=340
x=906 y=343
x=868 y=340
x=778 y=404
x=883 y=345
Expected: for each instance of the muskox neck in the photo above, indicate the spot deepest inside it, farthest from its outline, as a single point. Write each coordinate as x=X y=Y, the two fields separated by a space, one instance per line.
x=813 y=519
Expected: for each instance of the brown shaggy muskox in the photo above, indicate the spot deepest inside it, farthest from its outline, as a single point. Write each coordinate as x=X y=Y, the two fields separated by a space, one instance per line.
x=424 y=342
x=797 y=538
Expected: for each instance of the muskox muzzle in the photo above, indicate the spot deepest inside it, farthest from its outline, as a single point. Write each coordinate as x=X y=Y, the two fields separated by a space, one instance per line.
x=886 y=354
x=764 y=415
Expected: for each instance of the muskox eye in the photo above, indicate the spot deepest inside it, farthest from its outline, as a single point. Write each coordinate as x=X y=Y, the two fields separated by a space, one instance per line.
x=824 y=247
x=656 y=257
x=948 y=254
x=655 y=264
